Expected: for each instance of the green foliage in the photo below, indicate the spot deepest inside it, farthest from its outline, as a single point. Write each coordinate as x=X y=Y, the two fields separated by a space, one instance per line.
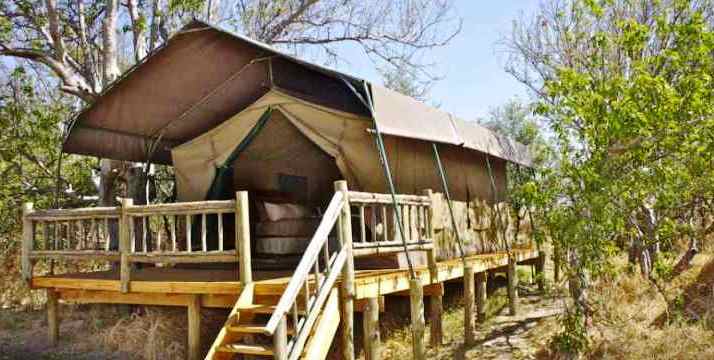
x=573 y=338
x=185 y=5
x=631 y=131
x=30 y=138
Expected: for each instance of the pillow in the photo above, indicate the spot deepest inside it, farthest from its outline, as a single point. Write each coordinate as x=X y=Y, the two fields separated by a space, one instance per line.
x=277 y=212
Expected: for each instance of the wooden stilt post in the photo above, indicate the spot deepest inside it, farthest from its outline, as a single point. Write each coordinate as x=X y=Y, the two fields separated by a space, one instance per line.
x=372 y=339
x=469 y=312
x=481 y=297
x=28 y=237
x=194 y=328
x=556 y=264
x=416 y=294
x=53 y=320
x=436 y=302
x=280 y=340
x=347 y=289
x=243 y=237
x=125 y=239
x=540 y=274
x=512 y=287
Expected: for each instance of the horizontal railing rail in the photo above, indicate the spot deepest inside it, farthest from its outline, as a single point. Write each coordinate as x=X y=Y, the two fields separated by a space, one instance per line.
x=157 y=233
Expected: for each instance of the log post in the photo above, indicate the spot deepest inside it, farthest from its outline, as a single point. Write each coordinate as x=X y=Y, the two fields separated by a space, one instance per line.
x=512 y=287
x=556 y=264
x=28 y=237
x=372 y=339
x=416 y=295
x=436 y=302
x=125 y=240
x=53 y=320
x=243 y=237
x=481 y=297
x=347 y=289
x=539 y=270
x=194 y=328
x=280 y=340
x=469 y=339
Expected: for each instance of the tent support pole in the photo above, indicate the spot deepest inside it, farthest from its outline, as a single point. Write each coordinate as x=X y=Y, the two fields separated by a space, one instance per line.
x=445 y=186
x=416 y=291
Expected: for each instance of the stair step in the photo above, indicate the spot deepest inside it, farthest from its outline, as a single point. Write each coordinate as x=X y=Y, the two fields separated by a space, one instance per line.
x=254 y=329
x=262 y=309
x=246 y=349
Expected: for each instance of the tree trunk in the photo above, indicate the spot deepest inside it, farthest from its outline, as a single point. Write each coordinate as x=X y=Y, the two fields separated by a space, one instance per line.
x=578 y=284
x=109 y=39
x=685 y=262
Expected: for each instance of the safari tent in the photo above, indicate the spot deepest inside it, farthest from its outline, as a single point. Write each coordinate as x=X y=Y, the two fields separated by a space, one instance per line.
x=297 y=180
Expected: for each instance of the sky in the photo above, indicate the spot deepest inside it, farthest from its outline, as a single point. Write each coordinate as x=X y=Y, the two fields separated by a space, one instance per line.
x=472 y=64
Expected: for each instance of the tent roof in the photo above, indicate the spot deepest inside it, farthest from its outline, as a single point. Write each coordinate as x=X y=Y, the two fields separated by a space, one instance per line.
x=203 y=75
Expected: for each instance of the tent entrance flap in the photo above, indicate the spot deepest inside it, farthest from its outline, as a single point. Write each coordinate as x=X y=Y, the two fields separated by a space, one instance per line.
x=222 y=184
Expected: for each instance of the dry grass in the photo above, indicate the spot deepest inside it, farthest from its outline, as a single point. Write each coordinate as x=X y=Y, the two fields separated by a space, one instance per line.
x=628 y=321
x=158 y=333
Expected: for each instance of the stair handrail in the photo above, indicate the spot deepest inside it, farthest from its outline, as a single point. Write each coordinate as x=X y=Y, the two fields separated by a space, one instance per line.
x=302 y=272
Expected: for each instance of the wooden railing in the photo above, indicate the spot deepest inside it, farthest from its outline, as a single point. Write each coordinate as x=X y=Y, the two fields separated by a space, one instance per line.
x=191 y=232
x=306 y=293
x=378 y=232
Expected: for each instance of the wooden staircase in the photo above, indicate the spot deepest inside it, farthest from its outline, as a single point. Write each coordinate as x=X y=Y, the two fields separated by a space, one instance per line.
x=303 y=322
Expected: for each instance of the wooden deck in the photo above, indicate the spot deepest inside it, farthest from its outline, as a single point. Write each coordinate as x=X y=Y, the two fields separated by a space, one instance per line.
x=220 y=288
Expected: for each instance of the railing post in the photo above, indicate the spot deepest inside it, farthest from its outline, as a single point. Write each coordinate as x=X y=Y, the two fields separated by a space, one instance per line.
x=125 y=239
x=243 y=237
x=347 y=290
x=280 y=340
x=28 y=237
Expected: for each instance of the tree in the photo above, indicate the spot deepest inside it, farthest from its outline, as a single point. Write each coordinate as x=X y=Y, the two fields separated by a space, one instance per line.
x=29 y=134
x=517 y=120
x=627 y=90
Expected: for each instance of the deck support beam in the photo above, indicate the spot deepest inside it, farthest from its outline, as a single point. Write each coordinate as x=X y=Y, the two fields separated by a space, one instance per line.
x=469 y=339
x=194 y=328
x=417 y=315
x=372 y=338
x=512 y=287
x=481 y=297
x=53 y=320
x=347 y=285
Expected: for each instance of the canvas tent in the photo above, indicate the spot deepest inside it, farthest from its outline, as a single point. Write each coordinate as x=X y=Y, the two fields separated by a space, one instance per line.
x=344 y=137
x=195 y=100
